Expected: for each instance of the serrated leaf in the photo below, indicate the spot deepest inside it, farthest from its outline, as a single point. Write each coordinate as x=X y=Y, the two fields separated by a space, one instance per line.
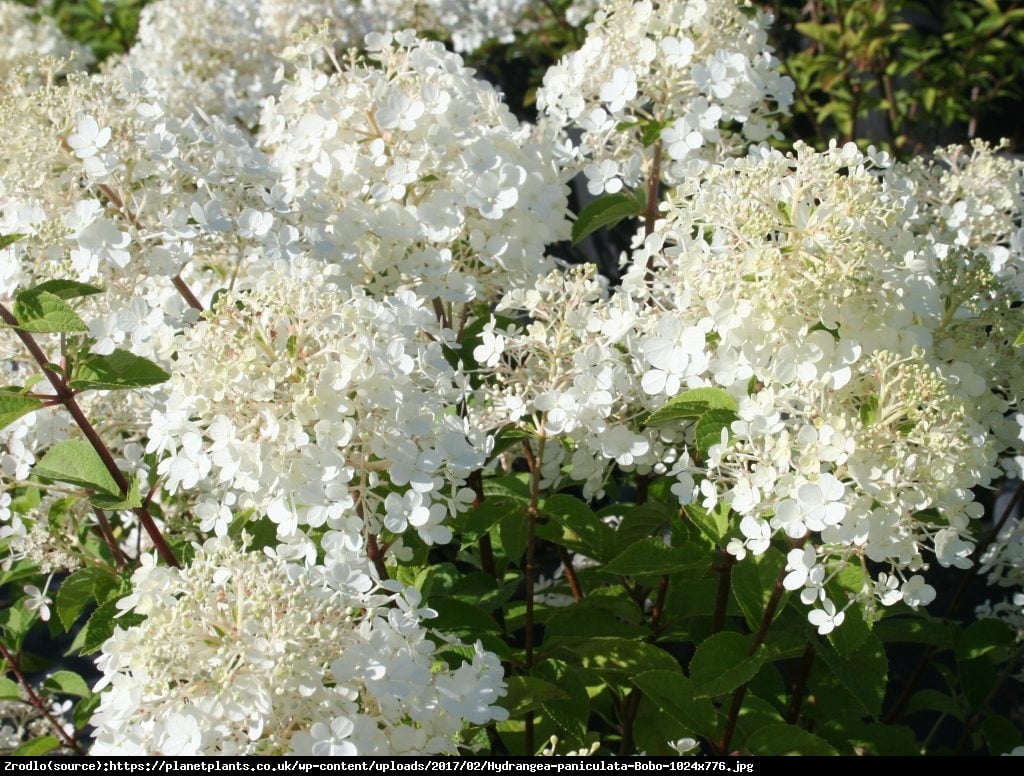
x=117 y=370
x=116 y=503
x=76 y=462
x=506 y=438
x=13 y=406
x=67 y=289
x=605 y=211
x=708 y=430
x=713 y=524
x=41 y=312
x=653 y=556
x=101 y=626
x=527 y=693
x=641 y=520
x=9 y=239
x=692 y=404
x=9 y=689
x=787 y=740
x=981 y=637
x=572 y=713
x=461 y=618
x=66 y=683
x=722 y=663
x=581 y=530
x=672 y=692
x=864 y=673
x=752 y=584
x=512 y=531
x=933 y=700
x=617 y=657
x=36 y=746
x=588 y=619
x=79 y=590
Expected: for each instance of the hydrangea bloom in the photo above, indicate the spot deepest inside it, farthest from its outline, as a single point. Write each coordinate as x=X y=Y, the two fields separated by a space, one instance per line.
x=35 y=49
x=681 y=70
x=305 y=400
x=411 y=171
x=856 y=425
x=250 y=655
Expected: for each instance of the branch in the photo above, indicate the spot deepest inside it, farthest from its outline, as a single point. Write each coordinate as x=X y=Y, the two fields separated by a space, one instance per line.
x=66 y=396
x=39 y=704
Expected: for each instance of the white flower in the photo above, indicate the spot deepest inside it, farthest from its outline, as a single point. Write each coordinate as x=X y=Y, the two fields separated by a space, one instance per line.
x=827 y=618
x=37 y=601
x=619 y=89
x=88 y=138
x=603 y=178
x=916 y=592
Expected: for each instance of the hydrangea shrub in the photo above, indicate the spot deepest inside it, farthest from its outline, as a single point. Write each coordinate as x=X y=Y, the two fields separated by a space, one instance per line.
x=312 y=445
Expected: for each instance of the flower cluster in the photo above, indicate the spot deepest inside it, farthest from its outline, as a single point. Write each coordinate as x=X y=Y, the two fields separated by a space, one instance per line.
x=412 y=172
x=683 y=72
x=227 y=60
x=242 y=654
x=854 y=426
x=35 y=50
x=313 y=403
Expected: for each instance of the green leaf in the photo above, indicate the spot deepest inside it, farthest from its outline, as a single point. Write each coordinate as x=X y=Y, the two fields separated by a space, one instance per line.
x=1020 y=340
x=461 y=618
x=585 y=620
x=476 y=521
x=673 y=694
x=66 y=683
x=571 y=714
x=76 y=462
x=66 y=289
x=641 y=520
x=752 y=584
x=652 y=131
x=864 y=673
x=117 y=370
x=722 y=663
x=9 y=690
x=36 y=746
x=714 y=524
x=512 y=531
x=116 y=503
x=79 y=590
x=101 y=626
x=582 y=531
x=981 y=637
x=691 y=405
x=42 y=312
x=621 y=658
x=1001 y=734
x=876 y=738
x=708 y=430
x=13 y=406
x=933 y=700
x=789 y=740
x=9 y=239
x=527 y=693
x=653 y=556
x=605 y=211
